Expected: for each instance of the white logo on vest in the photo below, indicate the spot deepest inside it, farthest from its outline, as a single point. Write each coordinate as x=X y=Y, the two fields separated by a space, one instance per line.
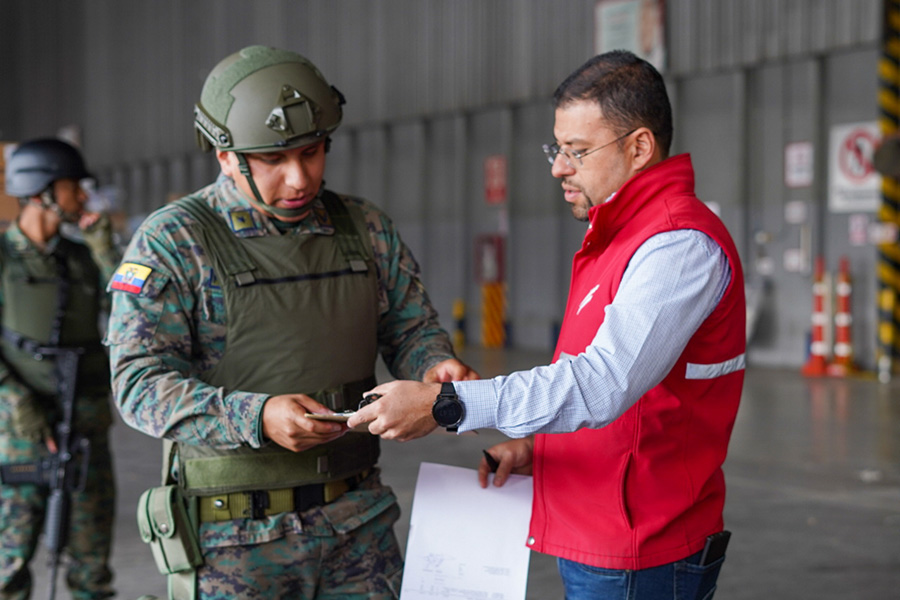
x=588 y=298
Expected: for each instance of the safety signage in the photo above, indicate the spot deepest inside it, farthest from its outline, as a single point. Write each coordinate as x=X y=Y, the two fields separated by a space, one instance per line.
x=853 y=183
x=799 y=160
x=495 y=179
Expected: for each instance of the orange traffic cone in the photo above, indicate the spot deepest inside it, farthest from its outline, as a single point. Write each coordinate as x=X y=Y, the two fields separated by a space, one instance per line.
x=842 y=365
x=818 y=349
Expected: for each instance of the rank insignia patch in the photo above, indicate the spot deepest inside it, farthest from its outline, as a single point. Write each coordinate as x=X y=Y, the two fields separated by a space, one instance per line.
x=241 y=220
x=322 y=216
x=212 y=281
x=130 y=277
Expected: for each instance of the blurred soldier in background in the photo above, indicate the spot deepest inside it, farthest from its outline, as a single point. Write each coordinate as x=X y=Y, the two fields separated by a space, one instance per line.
x=51 y=289
x=245 y=307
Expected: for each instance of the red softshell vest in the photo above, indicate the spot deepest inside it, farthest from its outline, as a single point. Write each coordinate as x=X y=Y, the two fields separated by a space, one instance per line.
x=647 y=489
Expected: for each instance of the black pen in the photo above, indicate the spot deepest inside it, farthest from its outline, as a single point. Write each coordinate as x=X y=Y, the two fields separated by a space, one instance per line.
x=491 y=461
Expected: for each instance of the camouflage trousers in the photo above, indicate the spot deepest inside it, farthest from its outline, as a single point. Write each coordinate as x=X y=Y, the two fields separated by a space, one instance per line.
x=22 y=510
x=346 y=549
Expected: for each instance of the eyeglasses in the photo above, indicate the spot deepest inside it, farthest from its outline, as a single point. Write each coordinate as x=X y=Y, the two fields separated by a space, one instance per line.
x=570 y=156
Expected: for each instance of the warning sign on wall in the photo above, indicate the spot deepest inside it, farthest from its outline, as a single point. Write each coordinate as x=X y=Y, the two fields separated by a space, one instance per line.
x=495 y=179
x=853 y=183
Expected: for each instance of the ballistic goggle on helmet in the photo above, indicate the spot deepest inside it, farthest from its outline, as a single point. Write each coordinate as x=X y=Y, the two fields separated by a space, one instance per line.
x=263 y=99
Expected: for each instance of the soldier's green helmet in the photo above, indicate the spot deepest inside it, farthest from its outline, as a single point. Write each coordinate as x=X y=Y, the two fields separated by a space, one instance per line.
x=264 y=99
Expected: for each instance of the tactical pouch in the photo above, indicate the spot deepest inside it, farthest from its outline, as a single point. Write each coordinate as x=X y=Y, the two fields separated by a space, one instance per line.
x=164 y=523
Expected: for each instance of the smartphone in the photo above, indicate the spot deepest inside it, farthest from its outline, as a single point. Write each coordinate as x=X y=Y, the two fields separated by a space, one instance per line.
x=715 y=547
x=339 y=417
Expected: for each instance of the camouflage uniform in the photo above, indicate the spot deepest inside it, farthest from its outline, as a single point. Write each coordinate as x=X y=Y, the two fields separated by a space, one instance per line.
x=27 y=410
x=162 y=336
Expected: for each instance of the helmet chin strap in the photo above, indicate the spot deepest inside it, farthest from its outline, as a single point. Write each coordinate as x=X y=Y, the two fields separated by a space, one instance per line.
x=48 y=202
x=288 y=213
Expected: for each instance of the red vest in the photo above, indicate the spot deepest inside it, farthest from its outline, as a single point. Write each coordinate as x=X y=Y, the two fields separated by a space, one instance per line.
x=648 y=488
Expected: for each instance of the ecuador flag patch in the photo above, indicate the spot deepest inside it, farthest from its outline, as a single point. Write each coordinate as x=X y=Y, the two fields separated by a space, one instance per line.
x=130 y=277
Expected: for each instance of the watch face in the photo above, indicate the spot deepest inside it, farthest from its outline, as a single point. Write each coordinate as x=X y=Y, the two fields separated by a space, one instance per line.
x=447 y=411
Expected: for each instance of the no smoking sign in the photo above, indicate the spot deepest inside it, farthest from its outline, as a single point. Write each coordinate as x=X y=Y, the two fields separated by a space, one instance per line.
x=856 y=153
x=853 y=183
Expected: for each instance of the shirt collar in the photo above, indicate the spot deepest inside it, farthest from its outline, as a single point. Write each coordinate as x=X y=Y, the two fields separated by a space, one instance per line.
x=230 y=201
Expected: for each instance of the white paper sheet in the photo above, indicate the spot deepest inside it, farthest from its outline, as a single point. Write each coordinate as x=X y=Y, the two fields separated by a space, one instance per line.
x=465 y=541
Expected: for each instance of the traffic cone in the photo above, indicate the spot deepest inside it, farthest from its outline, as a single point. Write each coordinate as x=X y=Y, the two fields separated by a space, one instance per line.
x=818 y=349
x=842 y=365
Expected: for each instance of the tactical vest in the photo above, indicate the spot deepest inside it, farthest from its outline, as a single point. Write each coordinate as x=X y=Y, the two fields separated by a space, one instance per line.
x=302 y=317
x=52 y=301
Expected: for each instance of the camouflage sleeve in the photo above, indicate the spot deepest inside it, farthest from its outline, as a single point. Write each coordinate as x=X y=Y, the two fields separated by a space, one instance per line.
x=410 y=337
x=160 y=337
x=104 y=252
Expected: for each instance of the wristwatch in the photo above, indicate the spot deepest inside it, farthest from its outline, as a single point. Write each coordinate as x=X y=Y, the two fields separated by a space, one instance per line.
x=447 y=410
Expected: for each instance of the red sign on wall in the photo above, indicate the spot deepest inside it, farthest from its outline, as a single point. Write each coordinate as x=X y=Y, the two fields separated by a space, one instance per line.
x=495 y=179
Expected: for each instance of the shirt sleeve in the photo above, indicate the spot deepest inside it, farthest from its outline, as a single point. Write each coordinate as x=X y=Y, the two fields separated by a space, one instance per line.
x=671 y=285
x=410 y=337
x=153 y=353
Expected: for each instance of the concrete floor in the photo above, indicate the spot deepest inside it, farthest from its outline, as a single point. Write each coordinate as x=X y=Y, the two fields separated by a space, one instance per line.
x=813 y=477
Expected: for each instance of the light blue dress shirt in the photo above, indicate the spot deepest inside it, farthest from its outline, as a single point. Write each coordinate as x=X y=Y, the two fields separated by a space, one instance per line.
x=671 y=285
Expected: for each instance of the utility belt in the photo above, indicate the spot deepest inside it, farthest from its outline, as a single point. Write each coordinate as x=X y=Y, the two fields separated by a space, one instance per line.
x=258 y=504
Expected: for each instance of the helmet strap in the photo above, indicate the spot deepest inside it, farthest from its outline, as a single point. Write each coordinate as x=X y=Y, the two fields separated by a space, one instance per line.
x=48 y=202
x=48 y=199
x=275 y=210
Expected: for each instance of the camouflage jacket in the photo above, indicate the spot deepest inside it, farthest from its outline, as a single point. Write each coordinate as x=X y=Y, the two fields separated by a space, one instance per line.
x=170 y=322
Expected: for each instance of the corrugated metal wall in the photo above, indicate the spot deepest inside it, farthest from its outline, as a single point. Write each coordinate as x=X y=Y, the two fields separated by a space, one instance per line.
x=435 y=86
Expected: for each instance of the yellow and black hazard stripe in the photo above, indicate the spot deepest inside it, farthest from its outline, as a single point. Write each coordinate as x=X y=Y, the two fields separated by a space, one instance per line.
x=889 y=213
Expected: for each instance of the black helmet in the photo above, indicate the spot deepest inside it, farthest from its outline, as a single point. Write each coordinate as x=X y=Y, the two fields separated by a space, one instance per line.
x=35 y=165
x=263 y=99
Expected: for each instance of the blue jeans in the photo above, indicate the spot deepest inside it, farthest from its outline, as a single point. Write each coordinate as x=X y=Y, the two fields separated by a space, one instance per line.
x=681 y=580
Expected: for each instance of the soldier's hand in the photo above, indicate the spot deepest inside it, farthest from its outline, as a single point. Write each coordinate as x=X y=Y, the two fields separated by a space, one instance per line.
x=97 y=231
x=514 y=456
x=88 y=219
x=402 y=413
x=285 y=422
x=451 y=369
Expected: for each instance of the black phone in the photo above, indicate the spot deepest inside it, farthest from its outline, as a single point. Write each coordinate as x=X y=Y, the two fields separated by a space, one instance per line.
x=715 y=547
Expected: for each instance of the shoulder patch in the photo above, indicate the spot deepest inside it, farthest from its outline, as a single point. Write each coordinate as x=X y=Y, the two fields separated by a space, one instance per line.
x=130 y=277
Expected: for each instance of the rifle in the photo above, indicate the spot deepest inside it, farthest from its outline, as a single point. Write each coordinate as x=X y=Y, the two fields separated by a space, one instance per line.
x=63 y=472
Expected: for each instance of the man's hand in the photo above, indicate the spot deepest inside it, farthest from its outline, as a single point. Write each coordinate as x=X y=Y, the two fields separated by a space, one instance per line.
x=402 y=413
x=451 y=369
x=285 y=422
x=514 y=456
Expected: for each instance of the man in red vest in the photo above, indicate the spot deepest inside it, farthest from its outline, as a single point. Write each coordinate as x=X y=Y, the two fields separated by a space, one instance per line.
x=646 y=380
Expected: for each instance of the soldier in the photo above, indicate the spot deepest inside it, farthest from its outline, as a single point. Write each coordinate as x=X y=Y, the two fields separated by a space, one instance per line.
x=243 y=307
x=52 y=295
